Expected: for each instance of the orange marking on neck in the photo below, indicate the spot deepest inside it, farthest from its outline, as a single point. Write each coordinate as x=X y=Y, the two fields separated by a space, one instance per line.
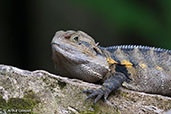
x=142 y=65
x=159 y=68
x=126 y=63
x=111 y=61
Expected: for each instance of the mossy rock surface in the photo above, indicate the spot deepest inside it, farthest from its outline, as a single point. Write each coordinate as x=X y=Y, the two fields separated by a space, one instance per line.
x=18 y=105
x=43 y=93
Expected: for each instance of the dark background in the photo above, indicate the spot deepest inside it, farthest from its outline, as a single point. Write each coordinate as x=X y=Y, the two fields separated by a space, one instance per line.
x=27 y=27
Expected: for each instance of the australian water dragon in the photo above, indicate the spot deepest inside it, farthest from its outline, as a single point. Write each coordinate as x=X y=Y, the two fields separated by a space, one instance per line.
x=147 y=69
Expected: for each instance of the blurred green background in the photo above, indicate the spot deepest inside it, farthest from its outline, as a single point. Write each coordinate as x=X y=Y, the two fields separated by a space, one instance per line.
x=27 y=27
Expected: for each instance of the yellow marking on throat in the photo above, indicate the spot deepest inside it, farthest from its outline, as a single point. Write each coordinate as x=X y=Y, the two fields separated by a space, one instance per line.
x=111 y=61
x=159 y=68
x=142 y=65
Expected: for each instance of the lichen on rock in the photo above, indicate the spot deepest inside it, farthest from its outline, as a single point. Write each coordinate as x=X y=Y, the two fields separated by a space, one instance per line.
x=43 y=93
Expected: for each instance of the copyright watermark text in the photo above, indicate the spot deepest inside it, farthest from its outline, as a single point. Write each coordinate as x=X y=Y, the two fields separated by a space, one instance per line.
x=15 y=111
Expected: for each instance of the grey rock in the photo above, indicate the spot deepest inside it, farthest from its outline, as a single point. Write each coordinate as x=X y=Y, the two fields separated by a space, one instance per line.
x=44 y=93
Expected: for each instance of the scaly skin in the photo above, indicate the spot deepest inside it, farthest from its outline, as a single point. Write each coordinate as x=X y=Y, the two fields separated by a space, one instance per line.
x=147 y=69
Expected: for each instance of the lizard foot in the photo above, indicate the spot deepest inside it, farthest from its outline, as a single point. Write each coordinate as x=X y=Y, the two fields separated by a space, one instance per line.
x=99 y=93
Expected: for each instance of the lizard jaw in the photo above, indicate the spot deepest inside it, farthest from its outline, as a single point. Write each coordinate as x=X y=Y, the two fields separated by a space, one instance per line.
x=68 y=53
x=74 y=55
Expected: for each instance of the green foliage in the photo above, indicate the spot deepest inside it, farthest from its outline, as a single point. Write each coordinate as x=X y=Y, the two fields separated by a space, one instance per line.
x=151 y=19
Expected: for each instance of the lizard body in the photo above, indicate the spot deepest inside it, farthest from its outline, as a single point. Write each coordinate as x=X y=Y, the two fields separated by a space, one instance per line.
x=147 y=69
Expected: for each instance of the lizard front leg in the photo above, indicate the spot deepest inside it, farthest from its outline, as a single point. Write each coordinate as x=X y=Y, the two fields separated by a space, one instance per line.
x=114 y=82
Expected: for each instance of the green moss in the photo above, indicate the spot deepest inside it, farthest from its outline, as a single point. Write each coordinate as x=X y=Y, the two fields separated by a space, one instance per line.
x=19 y=105
x=2 y=102
x=128 y=98
x=31 y=96
x=166 y=105
x=92 y=109
x=100 y=108
x=123 y=94
x=117 y=111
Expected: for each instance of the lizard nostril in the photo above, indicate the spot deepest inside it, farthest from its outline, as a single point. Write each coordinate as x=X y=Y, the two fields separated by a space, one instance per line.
x=67 y=36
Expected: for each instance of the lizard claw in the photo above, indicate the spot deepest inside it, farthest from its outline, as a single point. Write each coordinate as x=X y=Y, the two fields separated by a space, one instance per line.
x=99 y=93
x=88 y=91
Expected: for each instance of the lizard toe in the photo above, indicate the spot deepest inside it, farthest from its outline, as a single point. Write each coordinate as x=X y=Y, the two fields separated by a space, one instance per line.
x=97 y=98
x=91 y=95
x=99 y=93
x=88 y=91
x=106 y=96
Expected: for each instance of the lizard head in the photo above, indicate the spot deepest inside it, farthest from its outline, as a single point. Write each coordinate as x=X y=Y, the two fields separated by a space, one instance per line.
x=76 y=55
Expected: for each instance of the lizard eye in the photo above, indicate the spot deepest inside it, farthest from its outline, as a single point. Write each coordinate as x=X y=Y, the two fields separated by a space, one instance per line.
x=76 y=38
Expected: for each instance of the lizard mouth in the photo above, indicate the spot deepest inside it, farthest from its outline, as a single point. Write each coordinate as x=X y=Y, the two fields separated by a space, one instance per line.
x=89 y=70
x=68 y=53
